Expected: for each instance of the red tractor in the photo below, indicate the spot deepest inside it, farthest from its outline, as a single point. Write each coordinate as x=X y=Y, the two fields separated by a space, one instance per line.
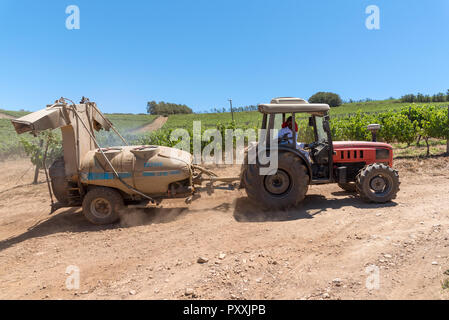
x=362 y=167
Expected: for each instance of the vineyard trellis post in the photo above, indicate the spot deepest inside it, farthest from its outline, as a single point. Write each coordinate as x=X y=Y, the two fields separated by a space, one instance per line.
x=447 y=138
x=232 y=111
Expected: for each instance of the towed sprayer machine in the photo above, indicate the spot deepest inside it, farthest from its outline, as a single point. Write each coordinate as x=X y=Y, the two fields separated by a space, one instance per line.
x=104 y=180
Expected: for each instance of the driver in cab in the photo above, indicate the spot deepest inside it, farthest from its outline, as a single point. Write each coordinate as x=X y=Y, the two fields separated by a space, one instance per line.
x=285 y=136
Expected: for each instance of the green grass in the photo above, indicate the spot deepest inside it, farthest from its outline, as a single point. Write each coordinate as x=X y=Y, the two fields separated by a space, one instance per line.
x=127 y=122
x=210 y=120
x=126 y=125
x=9 y=139
x=16 y=114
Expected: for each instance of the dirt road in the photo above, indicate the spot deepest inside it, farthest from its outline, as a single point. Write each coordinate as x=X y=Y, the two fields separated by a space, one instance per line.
x=321 y=250
x=153 y=126
x=6 y=116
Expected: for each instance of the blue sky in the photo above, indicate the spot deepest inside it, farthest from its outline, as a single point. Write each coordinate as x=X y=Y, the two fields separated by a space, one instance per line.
x=202 y=52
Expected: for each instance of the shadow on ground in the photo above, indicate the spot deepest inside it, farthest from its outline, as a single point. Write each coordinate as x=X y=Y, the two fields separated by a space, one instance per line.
x=72 y=220
x=246 y=211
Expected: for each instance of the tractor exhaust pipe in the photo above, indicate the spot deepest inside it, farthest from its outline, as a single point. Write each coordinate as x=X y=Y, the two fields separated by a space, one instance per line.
x=374 y=128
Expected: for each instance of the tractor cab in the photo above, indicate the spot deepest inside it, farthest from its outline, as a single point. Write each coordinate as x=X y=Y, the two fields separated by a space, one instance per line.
x=311 y=139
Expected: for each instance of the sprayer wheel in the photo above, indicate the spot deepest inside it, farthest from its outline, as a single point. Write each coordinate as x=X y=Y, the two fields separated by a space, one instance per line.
x=102 y=205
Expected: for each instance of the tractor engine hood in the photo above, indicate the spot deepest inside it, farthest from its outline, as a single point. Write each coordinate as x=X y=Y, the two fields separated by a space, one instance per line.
x=360 y=144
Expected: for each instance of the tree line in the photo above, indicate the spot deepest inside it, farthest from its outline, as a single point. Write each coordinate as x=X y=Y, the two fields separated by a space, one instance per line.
x=234 y=109
x=167 y=108
x=330 y=98
x=439 y=97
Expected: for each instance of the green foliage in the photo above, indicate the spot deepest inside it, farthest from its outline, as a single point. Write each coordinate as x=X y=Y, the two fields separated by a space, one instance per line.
x=435 y=123
x=351 y=128
x=349 y=109
x=162 y=137
x=9 y=140
x=404 y=126
x=128 y=122
x=166 y=108
x=330 y=98
x=401 y=122
x=397 y=127
x=35 y=149
x=246 y=119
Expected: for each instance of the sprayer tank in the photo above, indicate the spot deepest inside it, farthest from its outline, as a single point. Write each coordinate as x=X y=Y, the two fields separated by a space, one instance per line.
x=149 y=169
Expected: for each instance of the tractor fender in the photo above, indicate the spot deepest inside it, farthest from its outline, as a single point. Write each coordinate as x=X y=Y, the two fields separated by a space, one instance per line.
x=280 y=149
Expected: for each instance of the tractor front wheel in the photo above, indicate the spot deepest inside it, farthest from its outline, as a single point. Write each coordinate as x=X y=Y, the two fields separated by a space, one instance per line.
x=286 y=188
x=377 y=183
x=102 y=205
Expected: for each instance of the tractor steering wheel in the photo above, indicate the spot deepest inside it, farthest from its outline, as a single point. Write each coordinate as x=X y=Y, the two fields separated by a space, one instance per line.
x=312 y=145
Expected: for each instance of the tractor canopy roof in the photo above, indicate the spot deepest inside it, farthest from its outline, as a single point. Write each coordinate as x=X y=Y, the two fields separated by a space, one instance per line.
x=293 y=105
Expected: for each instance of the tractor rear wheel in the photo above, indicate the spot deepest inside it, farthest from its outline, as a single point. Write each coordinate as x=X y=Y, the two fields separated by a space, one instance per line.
x=284 y=189
x=102 y=205
x=377 y=183
x=349 y=186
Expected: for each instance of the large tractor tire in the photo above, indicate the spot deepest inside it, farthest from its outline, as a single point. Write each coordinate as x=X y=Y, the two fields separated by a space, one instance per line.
x=102 y=205
x=285 y=189
x=377 y=183
x=59 y=181
x=349 y=186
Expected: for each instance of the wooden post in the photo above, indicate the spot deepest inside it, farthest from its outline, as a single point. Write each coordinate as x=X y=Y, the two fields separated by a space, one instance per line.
x=447 y=138
x=36 y=171
x=232 y=111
